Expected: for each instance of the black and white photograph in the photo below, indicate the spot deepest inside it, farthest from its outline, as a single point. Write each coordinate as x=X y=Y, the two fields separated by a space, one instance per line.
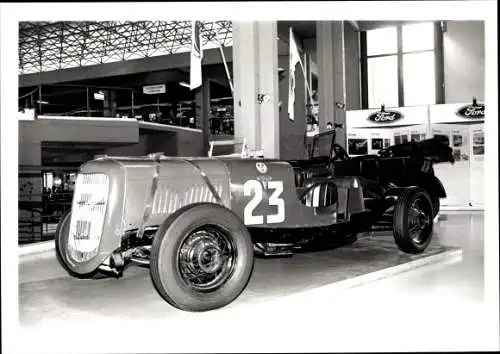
x=358 y=146
x=457 y=140
x=479 y=138
x=478 y=149
x=377 y=143
x=197 y=177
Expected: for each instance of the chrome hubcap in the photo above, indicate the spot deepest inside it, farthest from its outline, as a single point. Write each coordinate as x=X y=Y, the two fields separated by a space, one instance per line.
x=206 y=258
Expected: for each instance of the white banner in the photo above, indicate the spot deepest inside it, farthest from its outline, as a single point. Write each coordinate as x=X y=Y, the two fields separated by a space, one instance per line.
x=294 y=59
x=196 y=56
x=467 y=112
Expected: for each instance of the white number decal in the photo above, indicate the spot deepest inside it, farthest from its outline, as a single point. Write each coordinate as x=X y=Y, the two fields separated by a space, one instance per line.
x=255 y=187
x=248 y=187
x=274 y=199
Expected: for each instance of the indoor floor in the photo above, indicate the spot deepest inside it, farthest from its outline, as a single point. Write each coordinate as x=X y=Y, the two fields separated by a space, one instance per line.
x=291 y=304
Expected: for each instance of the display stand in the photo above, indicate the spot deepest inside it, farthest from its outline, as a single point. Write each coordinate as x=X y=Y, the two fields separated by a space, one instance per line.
x=463 y=124
x=370 y=130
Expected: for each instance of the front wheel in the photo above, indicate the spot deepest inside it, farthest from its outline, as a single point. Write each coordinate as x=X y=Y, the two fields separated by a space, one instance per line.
x=61 y=245
x=413 y=220
x=201 y=258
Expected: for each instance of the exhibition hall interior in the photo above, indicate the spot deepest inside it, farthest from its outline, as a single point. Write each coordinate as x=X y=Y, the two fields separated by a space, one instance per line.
x=192 y=176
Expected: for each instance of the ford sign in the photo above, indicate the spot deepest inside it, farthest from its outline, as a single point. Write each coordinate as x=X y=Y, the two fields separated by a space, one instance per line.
x=384 y=116
x=472 y=111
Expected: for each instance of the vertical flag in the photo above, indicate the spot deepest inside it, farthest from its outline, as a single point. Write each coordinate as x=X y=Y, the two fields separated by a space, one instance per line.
x=294 y=58
x=196 y=56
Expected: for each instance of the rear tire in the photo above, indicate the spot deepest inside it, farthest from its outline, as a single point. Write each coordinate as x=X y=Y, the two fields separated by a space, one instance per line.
x=413 y=220
x=196 y=243
x=436 y=204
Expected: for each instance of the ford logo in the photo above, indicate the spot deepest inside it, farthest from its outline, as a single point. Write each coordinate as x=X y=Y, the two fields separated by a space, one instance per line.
x=472 y=111
x=383 y=116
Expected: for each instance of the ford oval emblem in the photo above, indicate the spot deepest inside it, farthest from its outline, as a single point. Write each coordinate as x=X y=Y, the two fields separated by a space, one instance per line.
x=385 y=116
x=472 y=111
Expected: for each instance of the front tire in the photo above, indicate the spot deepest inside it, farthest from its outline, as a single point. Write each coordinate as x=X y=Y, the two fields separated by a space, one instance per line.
x=61 y=244
x=201 y=258
x=413 y=220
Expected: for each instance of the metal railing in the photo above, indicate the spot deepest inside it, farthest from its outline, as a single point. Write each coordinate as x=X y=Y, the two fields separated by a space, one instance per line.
x=37 y=220
x=119 y=102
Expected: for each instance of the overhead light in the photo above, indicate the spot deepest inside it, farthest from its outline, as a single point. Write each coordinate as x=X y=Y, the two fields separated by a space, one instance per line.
x=281 y=69
x=185 y=84
x=42 y=102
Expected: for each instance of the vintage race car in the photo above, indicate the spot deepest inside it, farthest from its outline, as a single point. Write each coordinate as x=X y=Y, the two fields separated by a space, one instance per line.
x=198 y=222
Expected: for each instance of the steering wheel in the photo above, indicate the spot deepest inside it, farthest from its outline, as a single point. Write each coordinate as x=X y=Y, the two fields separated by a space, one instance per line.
x=339 y=153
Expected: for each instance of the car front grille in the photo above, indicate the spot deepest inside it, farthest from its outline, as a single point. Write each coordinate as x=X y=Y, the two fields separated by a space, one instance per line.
x=87 y=216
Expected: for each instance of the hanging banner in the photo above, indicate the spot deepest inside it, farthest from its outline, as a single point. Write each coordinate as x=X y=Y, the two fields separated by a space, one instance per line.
x=294 y=58
x=196 y=56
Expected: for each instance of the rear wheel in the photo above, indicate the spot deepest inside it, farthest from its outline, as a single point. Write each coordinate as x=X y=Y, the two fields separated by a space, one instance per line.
x=413 y=220
x=436 y=204
x=201 y=258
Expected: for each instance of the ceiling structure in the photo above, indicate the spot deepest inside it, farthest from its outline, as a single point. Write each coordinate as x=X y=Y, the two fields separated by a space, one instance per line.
x=52 y=46
x=48 y=46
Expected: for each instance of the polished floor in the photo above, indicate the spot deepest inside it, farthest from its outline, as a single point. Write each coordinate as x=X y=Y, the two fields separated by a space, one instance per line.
x=290 y=304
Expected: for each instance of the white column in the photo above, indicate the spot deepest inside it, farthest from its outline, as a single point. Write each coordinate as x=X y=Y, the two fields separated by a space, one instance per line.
x=255 y=71
x=268 y=87
x=246 y=75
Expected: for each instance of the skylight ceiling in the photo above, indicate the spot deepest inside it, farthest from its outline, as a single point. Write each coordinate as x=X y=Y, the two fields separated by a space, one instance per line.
x=47 y=46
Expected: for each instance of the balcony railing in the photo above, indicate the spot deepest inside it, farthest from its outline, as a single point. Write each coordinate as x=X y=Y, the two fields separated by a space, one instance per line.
x=119 y=102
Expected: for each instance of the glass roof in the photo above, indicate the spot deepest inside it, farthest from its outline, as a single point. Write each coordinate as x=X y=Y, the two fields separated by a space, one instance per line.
x=47 y=46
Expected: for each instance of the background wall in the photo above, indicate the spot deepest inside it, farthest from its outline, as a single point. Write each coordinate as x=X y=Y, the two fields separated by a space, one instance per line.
x=464 y=61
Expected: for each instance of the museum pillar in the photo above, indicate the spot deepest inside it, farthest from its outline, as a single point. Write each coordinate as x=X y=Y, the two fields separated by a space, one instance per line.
x=109 y=103
x=256 y=93
x=202 y=111
x=331 y=75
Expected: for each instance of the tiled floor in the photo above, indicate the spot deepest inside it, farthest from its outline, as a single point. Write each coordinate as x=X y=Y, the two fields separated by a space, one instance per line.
x=431 y=308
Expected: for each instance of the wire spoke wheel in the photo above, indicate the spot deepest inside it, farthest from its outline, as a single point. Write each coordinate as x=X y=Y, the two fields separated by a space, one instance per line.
x=206 y=258
x=201 y=257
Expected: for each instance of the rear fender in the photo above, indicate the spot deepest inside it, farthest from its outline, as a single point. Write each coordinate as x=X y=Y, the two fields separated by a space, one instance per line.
x=433 y=186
